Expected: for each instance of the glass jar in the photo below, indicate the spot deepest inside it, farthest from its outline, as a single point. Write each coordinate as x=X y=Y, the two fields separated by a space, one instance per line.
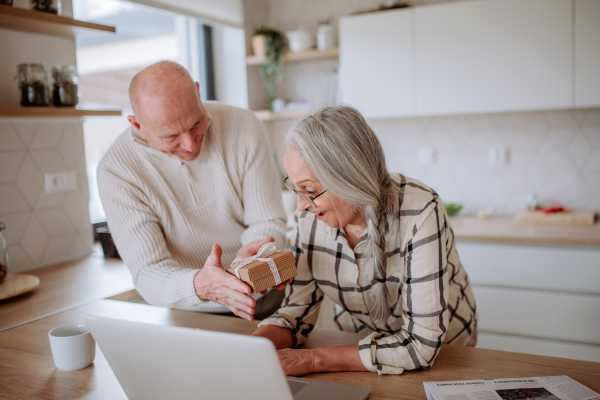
x=3 y=255
x=65 y=89
x=33 y=84
x=51 y=6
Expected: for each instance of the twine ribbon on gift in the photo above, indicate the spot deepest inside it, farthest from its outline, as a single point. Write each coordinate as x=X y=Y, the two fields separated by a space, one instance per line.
x=266 y=250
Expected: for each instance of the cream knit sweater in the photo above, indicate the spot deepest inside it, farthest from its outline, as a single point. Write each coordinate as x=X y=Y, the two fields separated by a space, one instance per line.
x=166 y=214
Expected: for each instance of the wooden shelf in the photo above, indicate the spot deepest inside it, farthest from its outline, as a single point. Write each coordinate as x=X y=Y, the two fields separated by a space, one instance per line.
x=266 y=115
x=20 y=19
x=300 y=56
x=53 y=112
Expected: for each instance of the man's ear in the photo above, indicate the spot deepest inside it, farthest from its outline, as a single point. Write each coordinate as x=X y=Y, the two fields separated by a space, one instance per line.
x=134 y=122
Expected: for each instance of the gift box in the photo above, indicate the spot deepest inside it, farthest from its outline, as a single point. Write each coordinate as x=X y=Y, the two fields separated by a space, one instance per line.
x=258 y=273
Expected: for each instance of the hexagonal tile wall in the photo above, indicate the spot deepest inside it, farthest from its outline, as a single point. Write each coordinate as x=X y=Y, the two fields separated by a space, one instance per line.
x=550 y=153
x=42 y=228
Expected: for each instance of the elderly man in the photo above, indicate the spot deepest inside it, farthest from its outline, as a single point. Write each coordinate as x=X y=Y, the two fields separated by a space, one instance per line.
x=187 y=184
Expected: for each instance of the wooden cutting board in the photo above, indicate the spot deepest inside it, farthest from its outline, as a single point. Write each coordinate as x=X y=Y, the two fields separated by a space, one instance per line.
x=16 y=284
x=573 y=218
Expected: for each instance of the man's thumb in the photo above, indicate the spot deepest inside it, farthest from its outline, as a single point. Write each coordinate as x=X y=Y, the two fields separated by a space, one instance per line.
x=215 y=256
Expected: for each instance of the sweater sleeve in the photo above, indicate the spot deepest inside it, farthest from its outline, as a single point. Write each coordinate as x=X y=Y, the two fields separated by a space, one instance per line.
x=263 y=208
x=136 y=230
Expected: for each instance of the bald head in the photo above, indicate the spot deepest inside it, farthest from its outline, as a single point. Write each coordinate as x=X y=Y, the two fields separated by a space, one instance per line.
x=167 y=111
x=161 y=85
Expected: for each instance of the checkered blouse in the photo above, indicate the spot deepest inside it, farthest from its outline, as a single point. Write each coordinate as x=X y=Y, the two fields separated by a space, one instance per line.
x=432 y=298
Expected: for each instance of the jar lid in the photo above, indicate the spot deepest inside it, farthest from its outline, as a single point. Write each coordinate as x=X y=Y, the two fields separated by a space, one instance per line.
x=64 y=68
x=25 y=66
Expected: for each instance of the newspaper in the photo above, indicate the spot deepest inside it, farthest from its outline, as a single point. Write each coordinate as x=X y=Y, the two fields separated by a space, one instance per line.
x=538 y=388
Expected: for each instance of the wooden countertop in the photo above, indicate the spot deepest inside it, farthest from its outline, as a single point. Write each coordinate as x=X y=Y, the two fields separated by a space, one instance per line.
x=67 y=285
x=504 y=229
x=27 y=369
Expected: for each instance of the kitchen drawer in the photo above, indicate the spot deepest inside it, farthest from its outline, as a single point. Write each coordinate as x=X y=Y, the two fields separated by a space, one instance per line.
x=542 y=347
x=566 y=269
x=539 y=314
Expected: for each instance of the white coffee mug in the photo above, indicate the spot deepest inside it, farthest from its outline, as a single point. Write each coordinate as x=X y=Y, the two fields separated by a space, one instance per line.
x=73 y=347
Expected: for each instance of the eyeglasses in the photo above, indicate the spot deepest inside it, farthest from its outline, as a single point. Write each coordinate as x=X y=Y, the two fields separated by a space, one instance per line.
x=310 y=199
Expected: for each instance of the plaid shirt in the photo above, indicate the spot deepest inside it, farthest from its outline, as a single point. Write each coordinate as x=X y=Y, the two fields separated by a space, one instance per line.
x=432 y=298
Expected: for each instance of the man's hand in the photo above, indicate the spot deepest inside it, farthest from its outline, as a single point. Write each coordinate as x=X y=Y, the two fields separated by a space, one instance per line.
x=214 y=284
x=251 y=249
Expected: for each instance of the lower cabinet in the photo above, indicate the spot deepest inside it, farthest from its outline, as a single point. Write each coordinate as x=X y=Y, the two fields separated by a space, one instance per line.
x=536 y=299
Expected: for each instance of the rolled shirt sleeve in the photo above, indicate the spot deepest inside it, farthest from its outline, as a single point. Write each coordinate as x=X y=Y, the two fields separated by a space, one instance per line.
x=423 y=305
x=300 y=308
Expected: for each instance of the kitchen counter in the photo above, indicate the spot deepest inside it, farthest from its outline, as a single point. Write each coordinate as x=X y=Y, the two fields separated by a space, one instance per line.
x=67 y=285
x=27 y=369
x=504 y=229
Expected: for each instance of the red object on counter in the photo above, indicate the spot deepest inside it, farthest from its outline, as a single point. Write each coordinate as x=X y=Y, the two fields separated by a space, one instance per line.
x=552 y=210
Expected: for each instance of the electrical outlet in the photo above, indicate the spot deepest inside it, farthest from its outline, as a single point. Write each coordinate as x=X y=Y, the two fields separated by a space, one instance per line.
x=498 y=156
x=63 y=181
x=426 y=155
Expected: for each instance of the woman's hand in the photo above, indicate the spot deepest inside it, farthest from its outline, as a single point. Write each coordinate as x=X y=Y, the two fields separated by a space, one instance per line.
x=297 y=362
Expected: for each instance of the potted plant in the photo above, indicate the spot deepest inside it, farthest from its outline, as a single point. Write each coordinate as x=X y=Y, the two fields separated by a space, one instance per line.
x=271 y=70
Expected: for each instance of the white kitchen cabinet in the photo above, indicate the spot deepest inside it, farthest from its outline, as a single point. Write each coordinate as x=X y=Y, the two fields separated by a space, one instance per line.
x=587 y=53
x=494 y=56
x=376 y=63
x=536 y=299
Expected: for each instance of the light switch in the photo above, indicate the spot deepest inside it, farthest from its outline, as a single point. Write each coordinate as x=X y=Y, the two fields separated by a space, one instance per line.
x=498 y=156
x=63 y=181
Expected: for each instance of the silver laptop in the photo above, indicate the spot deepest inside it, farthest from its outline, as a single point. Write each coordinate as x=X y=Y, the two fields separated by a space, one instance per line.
x=167 y=362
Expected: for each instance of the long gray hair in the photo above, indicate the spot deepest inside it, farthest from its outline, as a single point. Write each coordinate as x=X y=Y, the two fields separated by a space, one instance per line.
x=344 y=154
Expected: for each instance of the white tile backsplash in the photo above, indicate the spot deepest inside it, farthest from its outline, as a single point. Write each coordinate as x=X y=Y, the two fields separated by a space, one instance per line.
x=11 y=199
x=42 y=228
x=26 y=130
x=15 y=227
x=593 y=163
x=554 y=154
x=9 y=165
x=49 y=160
x=59 y=247
x=47 y=135
x=18 y=259
x=34 y=240
x=9 y=138
x=71 y=148
x=29 y=180
x=55 y=221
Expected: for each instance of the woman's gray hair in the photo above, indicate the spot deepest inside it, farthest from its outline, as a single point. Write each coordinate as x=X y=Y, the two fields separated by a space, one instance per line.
x=345 y=155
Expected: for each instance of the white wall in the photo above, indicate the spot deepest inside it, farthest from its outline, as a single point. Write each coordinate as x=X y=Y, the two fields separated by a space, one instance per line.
x=229 y=55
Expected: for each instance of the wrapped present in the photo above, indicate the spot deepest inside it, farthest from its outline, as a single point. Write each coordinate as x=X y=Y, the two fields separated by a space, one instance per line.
x=269 y=267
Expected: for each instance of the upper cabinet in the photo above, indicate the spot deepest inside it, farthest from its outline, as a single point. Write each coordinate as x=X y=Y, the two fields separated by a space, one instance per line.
x=587 y=53
x=376 y=63
x=494 y=55
x=471 y=57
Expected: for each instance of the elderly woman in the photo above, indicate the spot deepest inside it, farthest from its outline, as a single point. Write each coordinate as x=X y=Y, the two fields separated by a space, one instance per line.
x=378 y=244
